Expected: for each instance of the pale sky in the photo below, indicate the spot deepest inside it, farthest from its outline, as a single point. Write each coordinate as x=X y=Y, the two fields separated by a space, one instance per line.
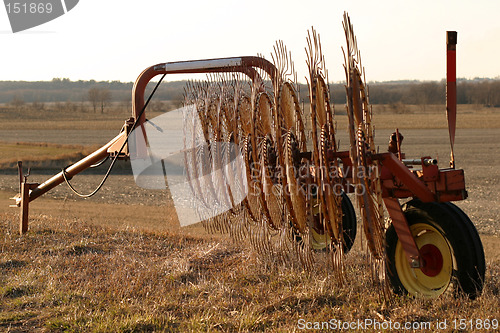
x=116 y=40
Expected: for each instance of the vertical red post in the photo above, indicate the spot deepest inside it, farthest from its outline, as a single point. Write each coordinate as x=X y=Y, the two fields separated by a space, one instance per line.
x=451 y=88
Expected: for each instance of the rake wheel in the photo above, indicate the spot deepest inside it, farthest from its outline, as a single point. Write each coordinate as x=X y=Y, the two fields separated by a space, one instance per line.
x=272 y=193
x=245 y=132
x=365 y=171
x=327 y=204
x=252 y=201
x=265 y=160
x=293 y=129
x=198 y=160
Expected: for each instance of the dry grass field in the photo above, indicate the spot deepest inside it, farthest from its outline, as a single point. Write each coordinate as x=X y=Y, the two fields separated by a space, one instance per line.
x=118 y=262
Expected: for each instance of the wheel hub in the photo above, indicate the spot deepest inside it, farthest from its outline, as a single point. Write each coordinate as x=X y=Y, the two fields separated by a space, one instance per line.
x=432 y=260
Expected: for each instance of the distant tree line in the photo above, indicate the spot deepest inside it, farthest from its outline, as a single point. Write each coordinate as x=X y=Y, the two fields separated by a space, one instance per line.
x=63 y=90
x=16 y=93
x=479 y=91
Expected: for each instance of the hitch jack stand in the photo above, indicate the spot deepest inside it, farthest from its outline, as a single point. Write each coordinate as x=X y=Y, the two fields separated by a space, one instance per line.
x=23 y=198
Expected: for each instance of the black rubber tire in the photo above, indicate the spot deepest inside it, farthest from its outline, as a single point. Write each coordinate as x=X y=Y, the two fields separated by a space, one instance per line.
x=349 y=224
x=463 y=241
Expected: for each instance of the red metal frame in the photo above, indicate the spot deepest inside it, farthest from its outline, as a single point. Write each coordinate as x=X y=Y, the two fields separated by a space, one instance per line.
x=243 y=65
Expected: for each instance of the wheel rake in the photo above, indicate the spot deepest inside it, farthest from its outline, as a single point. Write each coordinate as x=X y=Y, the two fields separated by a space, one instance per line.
x=366 y=179
x=257 y=165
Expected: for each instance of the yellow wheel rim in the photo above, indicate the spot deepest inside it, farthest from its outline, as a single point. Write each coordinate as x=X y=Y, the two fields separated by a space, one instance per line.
x=319 y=241
x=434 y=278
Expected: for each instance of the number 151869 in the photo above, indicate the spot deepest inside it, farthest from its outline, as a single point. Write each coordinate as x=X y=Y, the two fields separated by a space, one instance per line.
x=29 y=8
x=475 y=324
